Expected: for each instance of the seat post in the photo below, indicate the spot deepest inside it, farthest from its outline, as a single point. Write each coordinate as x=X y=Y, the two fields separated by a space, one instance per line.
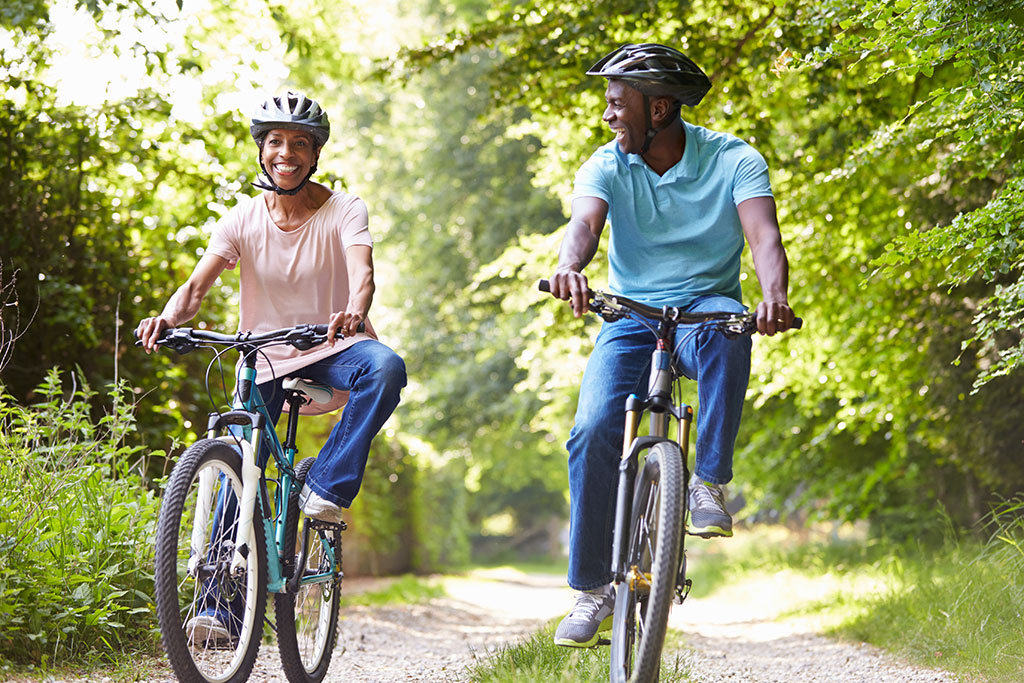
x=295 y=402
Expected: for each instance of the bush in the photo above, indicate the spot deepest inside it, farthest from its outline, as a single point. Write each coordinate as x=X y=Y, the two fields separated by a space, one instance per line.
x=76 y=530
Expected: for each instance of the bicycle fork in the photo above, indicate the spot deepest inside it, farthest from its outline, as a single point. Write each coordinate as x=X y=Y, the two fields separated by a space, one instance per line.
x=660 y=408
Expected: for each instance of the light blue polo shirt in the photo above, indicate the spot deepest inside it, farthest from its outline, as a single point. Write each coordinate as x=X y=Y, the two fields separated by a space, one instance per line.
x=676 y=237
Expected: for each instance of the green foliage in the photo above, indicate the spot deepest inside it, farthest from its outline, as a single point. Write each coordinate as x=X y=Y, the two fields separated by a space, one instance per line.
x=892 y=132
x=404 y=590
x=76 y=529
x=965 y=64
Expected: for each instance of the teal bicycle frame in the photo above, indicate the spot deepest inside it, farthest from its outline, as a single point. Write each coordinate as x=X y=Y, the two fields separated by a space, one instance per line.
x=258 y=440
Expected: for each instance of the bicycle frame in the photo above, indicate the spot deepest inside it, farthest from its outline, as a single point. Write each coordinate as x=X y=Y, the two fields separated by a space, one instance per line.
x=250 y=414
x=659 y=406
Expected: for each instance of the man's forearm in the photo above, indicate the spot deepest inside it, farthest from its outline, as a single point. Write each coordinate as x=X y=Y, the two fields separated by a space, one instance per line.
x=578 y=247
x=772 y=269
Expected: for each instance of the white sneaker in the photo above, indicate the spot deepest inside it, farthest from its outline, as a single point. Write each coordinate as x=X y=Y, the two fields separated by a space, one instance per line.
x=591 y=614
x=207 y=631
x=315 y=506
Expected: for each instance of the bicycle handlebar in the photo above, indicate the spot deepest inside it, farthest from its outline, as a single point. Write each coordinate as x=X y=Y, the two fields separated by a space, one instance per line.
x=302 y=337
x=613 y=307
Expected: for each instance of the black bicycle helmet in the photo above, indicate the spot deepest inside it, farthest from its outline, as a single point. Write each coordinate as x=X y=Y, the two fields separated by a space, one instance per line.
x=656 y=71
x=294 y=112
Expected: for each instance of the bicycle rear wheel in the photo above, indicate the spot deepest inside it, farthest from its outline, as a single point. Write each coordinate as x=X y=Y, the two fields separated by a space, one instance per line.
x=210 y=620
x=307 y=620
x=643 y=600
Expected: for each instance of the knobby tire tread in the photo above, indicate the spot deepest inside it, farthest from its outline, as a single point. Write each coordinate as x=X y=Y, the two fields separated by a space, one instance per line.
x=167 y=599
x=285 y=603
x=663 y=467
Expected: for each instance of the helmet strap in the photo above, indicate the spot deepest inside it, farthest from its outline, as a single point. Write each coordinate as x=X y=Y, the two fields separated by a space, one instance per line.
x=271 y=186
x=652 y=132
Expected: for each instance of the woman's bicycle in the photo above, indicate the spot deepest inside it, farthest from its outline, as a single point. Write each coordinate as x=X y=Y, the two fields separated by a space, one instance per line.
x=648 y=554
x=227 y=534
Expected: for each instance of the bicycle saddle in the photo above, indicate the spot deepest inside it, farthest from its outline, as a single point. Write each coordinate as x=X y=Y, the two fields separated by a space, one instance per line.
x=318 y=393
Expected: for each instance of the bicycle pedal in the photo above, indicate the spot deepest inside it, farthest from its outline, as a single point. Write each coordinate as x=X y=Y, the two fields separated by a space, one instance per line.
x=321 y=525
x=602 y=641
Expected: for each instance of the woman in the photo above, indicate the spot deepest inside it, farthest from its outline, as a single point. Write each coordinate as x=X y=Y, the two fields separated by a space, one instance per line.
x=306 y=257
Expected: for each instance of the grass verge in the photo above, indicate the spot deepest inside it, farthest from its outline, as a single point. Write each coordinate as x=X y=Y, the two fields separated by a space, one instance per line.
x=403 y=590
x=539 y=660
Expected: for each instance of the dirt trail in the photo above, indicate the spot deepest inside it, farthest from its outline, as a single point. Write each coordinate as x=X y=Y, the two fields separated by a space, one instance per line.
x=737 y=638
x=745 y=640
x=740 y=638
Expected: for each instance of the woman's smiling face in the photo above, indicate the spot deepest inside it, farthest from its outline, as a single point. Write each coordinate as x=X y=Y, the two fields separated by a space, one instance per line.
x=288 y=155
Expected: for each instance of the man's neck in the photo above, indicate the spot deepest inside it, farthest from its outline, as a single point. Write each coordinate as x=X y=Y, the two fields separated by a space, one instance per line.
x=667 y=148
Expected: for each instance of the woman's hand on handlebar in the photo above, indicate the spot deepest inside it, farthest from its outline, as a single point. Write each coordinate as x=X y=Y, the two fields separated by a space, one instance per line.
x=348 y=323
x=149 y=331
x=570 y=285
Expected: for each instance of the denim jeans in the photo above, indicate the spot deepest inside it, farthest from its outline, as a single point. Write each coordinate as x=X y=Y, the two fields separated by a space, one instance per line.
x=374 y=375
x=620 y=366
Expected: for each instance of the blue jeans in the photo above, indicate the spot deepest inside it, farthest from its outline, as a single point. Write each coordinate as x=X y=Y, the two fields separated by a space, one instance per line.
x=620 y=366
x=374 y=375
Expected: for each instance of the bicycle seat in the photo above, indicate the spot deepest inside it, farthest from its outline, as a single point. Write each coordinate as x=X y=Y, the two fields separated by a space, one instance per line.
x=318 y=393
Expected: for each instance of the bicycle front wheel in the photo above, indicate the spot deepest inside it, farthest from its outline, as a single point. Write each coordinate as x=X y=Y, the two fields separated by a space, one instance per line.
x=211 y=618
x=307 y=620
x=643 y=600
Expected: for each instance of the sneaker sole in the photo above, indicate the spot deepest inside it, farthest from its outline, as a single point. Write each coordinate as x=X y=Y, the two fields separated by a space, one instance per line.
x=710 y=532
x=606 y=625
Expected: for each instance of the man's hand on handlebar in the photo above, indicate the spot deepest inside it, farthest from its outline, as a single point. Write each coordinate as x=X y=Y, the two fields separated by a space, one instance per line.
x=774 y=316
x=570 y=285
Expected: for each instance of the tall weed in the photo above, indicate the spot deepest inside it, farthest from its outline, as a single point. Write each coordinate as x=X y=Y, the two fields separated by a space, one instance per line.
x=76 y=529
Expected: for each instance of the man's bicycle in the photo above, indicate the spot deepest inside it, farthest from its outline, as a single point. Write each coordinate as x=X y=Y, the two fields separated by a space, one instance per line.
x=648 y=554
x=228 y=534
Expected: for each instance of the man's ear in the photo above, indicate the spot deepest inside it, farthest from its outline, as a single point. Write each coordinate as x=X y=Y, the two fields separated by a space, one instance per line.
x=661 y=109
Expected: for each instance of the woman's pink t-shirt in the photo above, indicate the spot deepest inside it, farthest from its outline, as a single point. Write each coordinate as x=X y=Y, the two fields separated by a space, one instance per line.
x=289 y=278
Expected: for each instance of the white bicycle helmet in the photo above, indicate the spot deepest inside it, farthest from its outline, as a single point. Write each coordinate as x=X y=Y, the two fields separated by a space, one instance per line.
x=291 y=111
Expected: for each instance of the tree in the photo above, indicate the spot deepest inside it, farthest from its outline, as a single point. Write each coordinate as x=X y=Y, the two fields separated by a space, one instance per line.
x=884 y=150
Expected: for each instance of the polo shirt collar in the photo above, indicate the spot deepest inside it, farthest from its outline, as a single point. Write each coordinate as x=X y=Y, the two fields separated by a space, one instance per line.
x=688 y=167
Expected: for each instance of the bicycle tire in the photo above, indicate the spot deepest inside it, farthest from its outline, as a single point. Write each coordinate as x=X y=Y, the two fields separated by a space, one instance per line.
x=307 y=620
x=204 y=486
x=642 y=607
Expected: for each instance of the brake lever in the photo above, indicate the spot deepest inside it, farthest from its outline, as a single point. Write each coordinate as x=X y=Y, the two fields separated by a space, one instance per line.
x=179 y=340
x=737 y=326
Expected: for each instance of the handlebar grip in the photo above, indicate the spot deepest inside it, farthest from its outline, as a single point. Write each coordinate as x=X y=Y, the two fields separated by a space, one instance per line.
x=322 y=329
x=544 y=286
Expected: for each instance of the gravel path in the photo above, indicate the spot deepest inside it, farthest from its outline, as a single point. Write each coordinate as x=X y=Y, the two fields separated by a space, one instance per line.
x=747 y=642
x=437 y=640
x=737 y=637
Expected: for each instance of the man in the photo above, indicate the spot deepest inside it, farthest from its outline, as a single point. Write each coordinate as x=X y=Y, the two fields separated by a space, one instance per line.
x=680 y=200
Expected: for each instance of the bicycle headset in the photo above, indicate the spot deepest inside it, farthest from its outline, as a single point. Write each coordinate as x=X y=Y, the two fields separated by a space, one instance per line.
x=294 y=112
x=656 y=71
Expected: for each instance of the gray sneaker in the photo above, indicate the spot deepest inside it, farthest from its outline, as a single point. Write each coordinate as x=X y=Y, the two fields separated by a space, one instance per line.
x=591 y=615
x=317 y=507
x=708 y=516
